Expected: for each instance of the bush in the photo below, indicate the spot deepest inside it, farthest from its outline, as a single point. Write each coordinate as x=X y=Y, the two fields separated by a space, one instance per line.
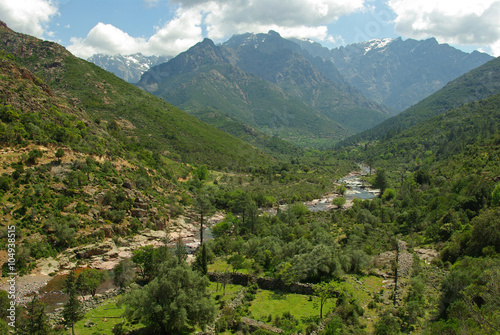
x=389 y=194
x=5 y=182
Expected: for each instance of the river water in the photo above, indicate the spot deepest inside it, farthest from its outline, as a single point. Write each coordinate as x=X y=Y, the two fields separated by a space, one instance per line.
x=356 y=189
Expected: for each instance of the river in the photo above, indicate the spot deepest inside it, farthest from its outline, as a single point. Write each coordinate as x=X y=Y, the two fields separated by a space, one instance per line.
x=356 y=189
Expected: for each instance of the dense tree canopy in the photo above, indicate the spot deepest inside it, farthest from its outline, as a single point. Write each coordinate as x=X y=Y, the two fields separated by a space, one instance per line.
x=175 y=299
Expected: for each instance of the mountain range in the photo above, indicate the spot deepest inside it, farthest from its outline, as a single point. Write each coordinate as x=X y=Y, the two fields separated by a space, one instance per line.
x=266 y=82
x=395 y=72
x=137 y=119
x=298 y=90
x=475 y=85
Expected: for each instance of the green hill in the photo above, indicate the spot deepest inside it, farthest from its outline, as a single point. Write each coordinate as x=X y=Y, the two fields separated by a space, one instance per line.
x=139 y=116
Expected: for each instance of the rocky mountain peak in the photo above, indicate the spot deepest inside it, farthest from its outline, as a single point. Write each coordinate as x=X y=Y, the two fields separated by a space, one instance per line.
x=377 y=44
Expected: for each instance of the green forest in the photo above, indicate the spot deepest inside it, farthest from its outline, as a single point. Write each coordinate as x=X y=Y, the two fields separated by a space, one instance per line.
x=91 y=166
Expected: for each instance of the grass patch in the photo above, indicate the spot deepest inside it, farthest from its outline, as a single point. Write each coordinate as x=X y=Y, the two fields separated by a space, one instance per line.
x=105 y=317
x=227 y=294
x=274 y=304
x=362 y=289
x=221 y=265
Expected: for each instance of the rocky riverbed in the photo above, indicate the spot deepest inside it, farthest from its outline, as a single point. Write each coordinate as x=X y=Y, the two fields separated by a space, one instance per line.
x=105 y=255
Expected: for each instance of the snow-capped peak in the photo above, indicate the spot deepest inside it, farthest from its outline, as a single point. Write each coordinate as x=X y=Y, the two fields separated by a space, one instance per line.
x=377 y=44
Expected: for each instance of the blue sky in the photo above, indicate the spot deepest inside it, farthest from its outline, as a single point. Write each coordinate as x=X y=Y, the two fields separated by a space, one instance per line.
x=167 y=27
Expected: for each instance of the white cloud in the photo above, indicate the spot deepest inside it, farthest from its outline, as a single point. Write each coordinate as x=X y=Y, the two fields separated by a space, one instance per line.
x=450 y=21
x=293 y=17
x=107 y=39
x=28 y=16
x=182 y=32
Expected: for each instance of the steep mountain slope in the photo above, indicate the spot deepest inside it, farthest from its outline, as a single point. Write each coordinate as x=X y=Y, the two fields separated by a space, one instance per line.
x=282 y=62
x=398 y=73
x=454 y=132
x=137 y=115
x=66 y=180
x=129 y=67
x=203 y=79
x=477 y=84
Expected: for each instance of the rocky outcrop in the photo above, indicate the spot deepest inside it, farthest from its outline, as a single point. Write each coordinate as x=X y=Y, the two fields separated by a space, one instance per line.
x=88 y=251
x=426 y=255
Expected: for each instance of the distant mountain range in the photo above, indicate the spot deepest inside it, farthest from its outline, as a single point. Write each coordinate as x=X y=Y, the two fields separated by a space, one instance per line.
x=390 y=71
x=477 y=84
x=131 y=67
x=398 y=73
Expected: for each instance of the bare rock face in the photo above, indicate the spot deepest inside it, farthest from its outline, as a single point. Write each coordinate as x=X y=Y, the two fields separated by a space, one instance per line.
x=47 y=266
x=88 y=251
x=154 y=234
x=426 y=255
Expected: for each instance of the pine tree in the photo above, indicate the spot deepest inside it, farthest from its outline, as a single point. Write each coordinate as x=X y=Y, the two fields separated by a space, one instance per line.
x=72 y=310
x=34 y=320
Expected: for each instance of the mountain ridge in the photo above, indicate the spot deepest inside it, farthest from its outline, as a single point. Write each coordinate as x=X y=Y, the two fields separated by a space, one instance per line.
x=274 y=89
x=284 y=63
x=397 y=72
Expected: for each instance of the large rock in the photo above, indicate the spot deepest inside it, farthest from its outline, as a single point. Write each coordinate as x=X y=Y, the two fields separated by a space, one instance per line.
x=48 y=266
x=88 y=251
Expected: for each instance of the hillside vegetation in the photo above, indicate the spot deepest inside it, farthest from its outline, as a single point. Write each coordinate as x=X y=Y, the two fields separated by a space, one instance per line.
x=153 y=123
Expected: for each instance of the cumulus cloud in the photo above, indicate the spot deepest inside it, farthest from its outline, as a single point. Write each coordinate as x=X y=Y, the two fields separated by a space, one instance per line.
x=219 y=19
x=450 y=21
x=28 y=16
x=177 y=35
x=107 y=39
x=289 y=18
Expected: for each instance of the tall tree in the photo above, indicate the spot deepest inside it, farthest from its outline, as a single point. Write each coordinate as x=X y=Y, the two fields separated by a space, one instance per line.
x=204 y=206
x=124 y=273
x=72 y=310
x=89 y=281
x=324 y=291
x=180 y=250
x=34 y=321
x=381 y=181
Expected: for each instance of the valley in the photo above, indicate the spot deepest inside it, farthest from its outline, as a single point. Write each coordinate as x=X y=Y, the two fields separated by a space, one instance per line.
x=301 y=206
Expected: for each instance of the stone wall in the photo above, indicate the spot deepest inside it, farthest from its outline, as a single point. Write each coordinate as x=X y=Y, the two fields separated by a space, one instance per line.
x=264 y=283
x=404 y=266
